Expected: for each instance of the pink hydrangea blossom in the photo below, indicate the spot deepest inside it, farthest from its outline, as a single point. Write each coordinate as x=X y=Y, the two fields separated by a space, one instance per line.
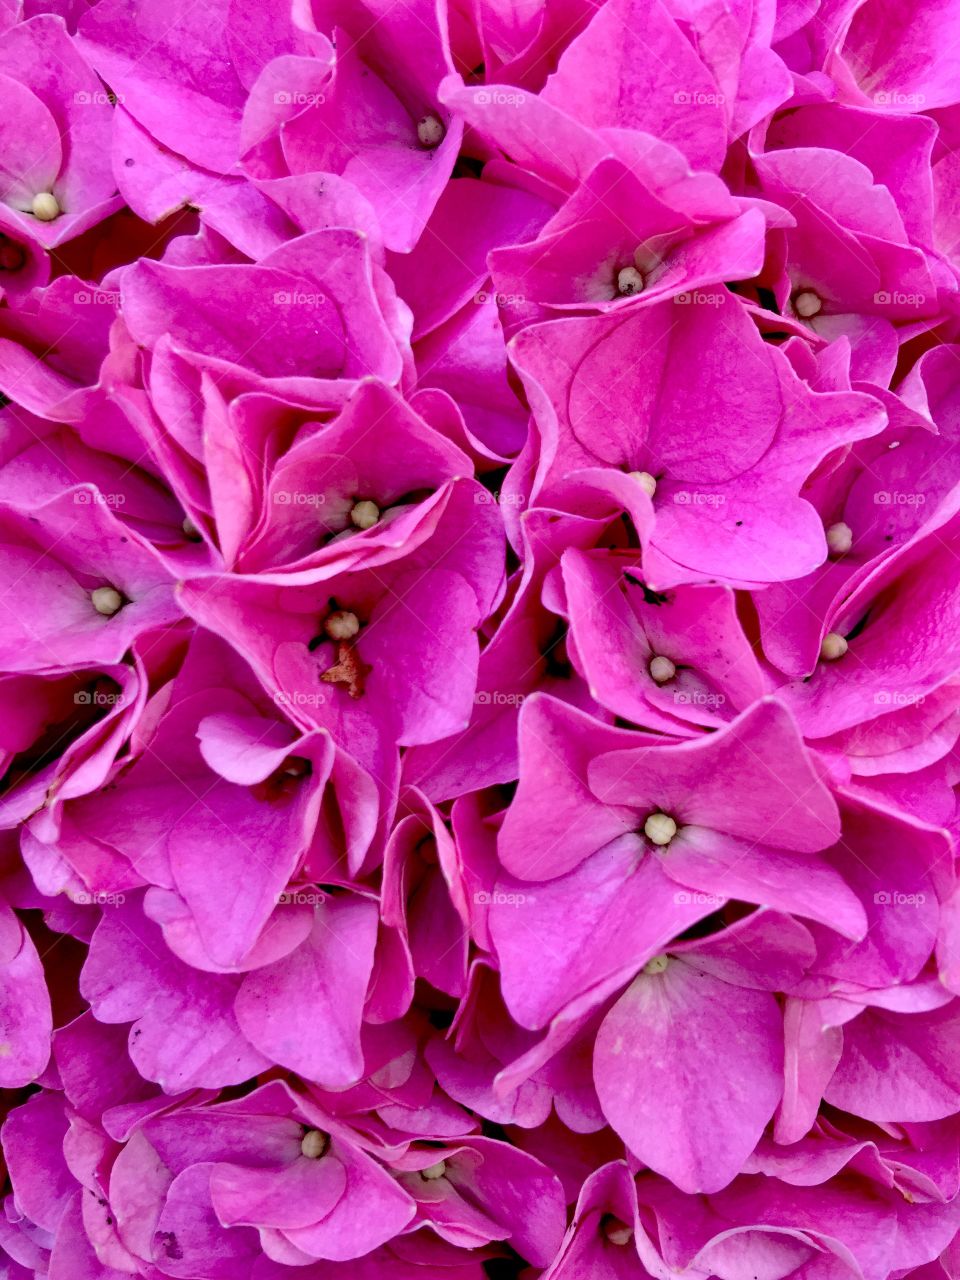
x=479 y=660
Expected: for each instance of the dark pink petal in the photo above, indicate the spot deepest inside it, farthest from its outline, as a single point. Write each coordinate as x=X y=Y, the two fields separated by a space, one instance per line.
x=689 y=1071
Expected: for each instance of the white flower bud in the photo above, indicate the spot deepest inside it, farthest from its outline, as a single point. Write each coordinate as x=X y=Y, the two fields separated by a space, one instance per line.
x=430 y=131
x=45 y=206
x=342 y=625
x=807 y=304
x=662 y=670
x=365 y=514
x=660 y=828
x=833 y=646
x=107 y=601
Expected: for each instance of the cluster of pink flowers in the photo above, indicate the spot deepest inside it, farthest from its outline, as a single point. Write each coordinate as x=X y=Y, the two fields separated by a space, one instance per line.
x=480 y=639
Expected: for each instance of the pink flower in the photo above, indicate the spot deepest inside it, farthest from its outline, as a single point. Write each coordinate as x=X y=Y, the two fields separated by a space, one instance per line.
x=55 y=150
x=480 y=691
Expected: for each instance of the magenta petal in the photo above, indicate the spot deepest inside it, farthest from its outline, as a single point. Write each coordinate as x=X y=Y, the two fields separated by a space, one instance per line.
x=139 y=51
x=26 y=1020
x=633 y=69
x=33 y=1149
x=812 y=1051
x=294 y=1196
x=704 y=782
x=555 y=820
x=373 y=1208
x=480 y=639
x=898 y=1067
x=305 y=1010
x=189 y=1234
x=716 y=864
x=689 y=1070
x=627 y=910
x=29 y=145
x=186 y=1034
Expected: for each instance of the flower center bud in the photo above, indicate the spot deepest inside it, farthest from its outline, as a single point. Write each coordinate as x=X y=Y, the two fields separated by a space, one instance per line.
x=365 y=514
x=657 y=965
x=617 y=1232
x=646 y=481
x=341 y=625
x=45 y=206
x=314 y=1143
x=190 y=530
x=629 y=282
x=839 y=538
x=807 y=304
x=107 y=601
x=660 y=828
x=430 y=131
x=434 y=1171
x=662 y=670
x=833 y=646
